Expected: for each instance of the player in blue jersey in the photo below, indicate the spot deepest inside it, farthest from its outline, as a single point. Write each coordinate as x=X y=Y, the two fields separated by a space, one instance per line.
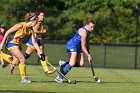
x=74 y=47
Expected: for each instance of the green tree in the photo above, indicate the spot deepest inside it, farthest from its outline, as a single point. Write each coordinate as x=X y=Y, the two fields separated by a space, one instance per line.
x=115 y=19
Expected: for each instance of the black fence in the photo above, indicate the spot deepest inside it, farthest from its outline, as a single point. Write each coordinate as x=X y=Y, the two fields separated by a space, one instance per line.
x=116 y=55
x=104 y=55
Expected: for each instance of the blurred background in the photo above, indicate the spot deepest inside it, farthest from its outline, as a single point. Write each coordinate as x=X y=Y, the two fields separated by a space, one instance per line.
x=115 y=41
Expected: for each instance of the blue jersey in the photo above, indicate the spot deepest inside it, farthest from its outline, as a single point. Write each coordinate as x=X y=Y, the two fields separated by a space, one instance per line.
x=75 y=41
x=38 y=37
x=74 y=44
x=30 y=43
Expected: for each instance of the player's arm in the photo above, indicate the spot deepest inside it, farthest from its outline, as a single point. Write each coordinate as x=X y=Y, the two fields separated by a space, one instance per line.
x=12 y=29
x=36 y=27
x=42 y=56
x=83 y=34
x=35 y=43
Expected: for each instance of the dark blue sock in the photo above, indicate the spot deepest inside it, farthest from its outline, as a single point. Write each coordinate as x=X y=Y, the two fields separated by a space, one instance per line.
x=66 y=69
x=62 y=67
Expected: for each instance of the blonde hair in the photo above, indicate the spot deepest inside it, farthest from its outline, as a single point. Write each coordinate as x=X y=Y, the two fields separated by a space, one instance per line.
x=30 y=17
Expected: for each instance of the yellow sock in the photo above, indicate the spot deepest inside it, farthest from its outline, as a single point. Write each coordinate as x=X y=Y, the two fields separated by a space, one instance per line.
x=22 y=69
x=6 y=57
x=44 y=65
x=46 y=59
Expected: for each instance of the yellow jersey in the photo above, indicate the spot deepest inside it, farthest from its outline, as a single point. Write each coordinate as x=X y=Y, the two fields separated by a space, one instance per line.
x=16 y=37
x=39 y=36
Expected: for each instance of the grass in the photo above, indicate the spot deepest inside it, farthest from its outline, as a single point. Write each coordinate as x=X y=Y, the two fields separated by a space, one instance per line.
x=112 y=81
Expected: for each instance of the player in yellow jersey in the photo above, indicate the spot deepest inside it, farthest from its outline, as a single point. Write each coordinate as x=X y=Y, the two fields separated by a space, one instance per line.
x=39 y=30
x=14 y=38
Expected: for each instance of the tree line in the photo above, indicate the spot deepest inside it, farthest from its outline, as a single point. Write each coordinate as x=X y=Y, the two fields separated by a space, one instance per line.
x=115 y=19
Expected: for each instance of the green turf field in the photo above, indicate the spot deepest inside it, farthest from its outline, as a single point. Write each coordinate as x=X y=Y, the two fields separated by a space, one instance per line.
x=112 y=81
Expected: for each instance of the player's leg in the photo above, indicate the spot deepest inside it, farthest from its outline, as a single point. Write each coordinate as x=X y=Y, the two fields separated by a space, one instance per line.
x=49 y=71
x=67 y=66
x=80 y=60
x=15 y=61
x=62 y=63
x=71 y=63
x=22 y=67
x=29 y=51
x=45 y=65
x=13 y=64
x=2 y=63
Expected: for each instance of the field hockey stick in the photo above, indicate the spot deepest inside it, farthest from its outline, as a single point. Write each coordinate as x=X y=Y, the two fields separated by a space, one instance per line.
x=93 y=73
x=68 y=80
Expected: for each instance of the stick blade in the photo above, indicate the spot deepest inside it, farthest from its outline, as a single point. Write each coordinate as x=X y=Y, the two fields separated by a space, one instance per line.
x=96 y=79
x=72 y=82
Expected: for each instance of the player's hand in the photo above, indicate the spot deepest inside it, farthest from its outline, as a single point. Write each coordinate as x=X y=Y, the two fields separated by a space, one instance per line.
x=44 y=31
x=42 y=57
x=89 y=58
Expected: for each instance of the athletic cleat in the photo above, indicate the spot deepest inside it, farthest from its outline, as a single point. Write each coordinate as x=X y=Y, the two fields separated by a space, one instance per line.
x=62 y=65
x=61 y=62
x=3 y=65
x=46 y=73
x=49 y=72
x=11 y=68
x=59 y=80
x=25 y=80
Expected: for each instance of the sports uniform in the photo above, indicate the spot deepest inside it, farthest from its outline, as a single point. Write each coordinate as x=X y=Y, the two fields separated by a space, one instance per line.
x=38 y=38
x=74 y=44
x=15 y=39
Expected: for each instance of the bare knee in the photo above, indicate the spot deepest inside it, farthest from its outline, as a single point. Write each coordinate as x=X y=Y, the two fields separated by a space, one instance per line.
x=81 y=65
x=80 y=60
x=72 y=64
x=15 y=62
x=22 y=60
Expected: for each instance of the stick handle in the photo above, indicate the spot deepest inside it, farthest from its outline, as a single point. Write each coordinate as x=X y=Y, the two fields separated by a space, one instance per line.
x=91 y=65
